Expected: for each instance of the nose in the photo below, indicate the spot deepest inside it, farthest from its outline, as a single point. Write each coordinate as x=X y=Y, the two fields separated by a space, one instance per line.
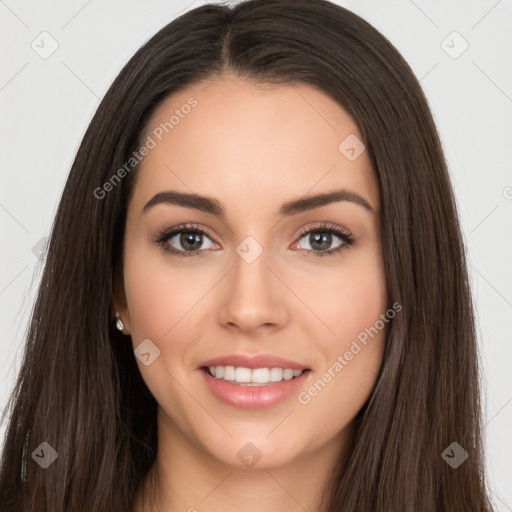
x=253 y=298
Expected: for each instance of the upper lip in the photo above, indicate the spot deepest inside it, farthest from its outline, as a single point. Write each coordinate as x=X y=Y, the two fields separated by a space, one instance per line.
x=254 y=361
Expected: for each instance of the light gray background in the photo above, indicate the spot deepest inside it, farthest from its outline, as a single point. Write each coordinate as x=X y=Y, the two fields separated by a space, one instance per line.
x=46 y=105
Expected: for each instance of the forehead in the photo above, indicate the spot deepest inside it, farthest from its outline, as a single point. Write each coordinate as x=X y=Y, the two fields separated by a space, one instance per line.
x=252 y=144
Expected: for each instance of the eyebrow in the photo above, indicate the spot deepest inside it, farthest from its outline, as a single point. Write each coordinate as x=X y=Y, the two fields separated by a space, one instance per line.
x=211 y=205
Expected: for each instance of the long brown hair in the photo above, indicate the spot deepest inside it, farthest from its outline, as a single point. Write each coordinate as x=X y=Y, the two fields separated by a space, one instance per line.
x=79 y=387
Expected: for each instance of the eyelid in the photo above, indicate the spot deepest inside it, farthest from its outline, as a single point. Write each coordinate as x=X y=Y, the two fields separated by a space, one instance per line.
x=328 y=226
x=168 y=233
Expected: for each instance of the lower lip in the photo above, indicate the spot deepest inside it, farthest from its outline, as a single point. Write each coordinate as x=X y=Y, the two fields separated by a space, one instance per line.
x=253 y=397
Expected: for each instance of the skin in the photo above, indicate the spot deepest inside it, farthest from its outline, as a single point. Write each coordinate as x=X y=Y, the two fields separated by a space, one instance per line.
x=253 y=147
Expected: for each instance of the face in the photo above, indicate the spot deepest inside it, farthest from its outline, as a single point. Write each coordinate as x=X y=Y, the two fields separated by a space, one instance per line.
x=241 y=275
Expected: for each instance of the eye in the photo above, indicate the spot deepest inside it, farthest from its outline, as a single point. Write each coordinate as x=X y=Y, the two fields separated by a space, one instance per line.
x=321 y=237
x=188 y=237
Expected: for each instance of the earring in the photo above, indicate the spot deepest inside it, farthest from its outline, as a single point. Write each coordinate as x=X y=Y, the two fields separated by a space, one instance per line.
x=119 y=323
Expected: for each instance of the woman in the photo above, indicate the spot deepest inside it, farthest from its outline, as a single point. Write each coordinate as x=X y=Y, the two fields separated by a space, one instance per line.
x=189 y=350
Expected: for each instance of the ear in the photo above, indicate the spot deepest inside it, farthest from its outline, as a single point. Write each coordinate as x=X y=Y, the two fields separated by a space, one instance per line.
x=119 y=303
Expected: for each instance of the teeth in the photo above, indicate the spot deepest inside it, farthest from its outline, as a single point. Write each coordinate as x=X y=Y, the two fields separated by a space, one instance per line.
x=255 y=377
x=260 y=375
x=242 y=375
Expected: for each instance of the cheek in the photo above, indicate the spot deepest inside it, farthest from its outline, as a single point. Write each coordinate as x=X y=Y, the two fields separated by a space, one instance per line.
x=348 y=297
x=360 y=330
x=159 y=294
x=361 y=299
x=351 y=305
x=160 y=297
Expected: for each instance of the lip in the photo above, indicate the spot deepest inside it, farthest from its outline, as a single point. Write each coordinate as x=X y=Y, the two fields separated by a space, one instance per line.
x=254 y=361
x=253 y=397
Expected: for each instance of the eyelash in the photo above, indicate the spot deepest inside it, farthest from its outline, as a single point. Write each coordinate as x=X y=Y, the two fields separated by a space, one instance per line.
x=343 y=234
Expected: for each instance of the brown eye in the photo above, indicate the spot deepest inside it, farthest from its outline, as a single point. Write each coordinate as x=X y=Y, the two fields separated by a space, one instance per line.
x=185 y=241
x=190 y=241
x=321 y=238
x=320 y=241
